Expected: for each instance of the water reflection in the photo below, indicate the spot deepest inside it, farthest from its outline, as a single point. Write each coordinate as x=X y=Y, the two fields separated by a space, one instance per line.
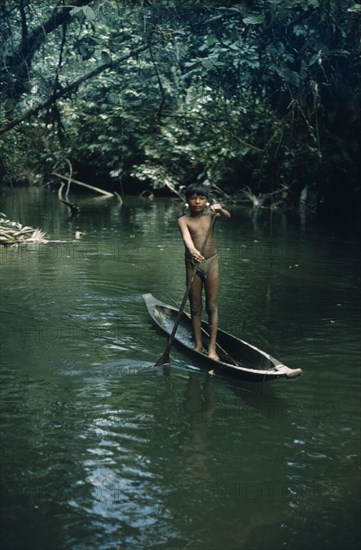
x=199 y=405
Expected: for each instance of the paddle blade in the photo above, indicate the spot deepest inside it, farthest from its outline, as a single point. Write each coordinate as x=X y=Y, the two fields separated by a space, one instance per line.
x=163 y=360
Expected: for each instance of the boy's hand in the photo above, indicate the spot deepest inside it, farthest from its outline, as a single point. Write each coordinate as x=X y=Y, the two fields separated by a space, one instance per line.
x=218 y=209
x=197 y=256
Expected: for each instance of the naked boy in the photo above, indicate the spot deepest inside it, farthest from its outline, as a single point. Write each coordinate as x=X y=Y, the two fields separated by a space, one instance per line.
x=194 y=226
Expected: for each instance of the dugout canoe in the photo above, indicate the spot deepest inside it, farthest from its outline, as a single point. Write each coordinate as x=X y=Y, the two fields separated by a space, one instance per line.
x=237 y=357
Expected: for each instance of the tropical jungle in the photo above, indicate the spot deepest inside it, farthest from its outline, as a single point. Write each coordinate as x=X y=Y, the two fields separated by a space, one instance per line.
x=260 y=100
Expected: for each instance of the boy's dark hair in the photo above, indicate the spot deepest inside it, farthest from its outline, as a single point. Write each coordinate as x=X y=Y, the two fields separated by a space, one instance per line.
x=196 y=189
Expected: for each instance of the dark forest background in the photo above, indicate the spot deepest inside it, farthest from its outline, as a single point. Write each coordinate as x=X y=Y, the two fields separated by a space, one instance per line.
x=261 y=100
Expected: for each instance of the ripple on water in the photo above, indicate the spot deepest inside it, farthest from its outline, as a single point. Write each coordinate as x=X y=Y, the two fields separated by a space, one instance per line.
x=115 y=454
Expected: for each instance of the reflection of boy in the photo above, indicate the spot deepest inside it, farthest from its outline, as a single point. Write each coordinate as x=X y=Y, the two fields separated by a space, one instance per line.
x=194 y=227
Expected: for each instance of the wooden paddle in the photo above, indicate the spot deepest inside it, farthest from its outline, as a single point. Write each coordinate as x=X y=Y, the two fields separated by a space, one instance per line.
x=164 y=359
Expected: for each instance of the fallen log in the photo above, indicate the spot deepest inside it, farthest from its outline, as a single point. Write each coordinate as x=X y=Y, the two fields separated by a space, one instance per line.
x=96 y=189
x=74 y=209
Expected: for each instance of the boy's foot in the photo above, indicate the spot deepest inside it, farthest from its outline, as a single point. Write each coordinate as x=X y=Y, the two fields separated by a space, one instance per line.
x=213 y=355
x=200 y=349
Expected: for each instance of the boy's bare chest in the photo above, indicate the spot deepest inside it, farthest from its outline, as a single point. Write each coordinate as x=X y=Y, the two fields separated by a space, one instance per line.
x=199 y=226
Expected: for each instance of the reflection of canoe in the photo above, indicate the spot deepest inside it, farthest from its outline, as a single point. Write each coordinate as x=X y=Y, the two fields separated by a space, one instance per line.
x=236 y=356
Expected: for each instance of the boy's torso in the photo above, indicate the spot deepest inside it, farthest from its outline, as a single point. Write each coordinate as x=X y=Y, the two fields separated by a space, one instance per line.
x=198 y=228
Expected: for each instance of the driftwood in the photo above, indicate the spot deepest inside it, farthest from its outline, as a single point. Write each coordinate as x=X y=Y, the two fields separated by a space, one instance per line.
x=74 y=209
x=170 y=186
x=118 y=197
x=96 y=189
x=69 y=178
x=146 y=194
x=274 y=198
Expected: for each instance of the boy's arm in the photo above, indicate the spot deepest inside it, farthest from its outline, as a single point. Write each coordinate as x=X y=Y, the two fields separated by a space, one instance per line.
x=218 y=208
x=188 y=241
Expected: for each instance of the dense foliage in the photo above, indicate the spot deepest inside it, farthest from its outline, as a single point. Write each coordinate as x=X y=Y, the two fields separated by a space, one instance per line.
x=259 y=98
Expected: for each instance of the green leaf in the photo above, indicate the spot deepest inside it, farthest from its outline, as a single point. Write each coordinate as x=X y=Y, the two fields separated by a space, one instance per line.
x=76 y=10
x=254 y=20
x=105 y=57
x=89 y=13
x=356 y=8
x=313 y=59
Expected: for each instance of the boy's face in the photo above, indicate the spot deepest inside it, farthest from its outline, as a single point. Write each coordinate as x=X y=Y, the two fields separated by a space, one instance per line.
x=197 y=203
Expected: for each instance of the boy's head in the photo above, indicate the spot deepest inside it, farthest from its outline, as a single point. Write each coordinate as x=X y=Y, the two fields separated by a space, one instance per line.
x=196 y=189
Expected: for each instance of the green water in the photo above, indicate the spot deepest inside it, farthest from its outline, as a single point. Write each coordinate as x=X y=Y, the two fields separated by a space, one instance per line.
x=100 y=450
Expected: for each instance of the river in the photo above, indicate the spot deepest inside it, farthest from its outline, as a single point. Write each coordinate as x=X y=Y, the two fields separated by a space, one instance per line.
x=101 y=450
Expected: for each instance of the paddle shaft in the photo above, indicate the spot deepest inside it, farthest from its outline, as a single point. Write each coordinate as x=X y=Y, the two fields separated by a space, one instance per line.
x=165 y=357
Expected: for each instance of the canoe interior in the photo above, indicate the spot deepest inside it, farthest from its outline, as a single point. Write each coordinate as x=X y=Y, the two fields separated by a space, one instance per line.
x=244 y=354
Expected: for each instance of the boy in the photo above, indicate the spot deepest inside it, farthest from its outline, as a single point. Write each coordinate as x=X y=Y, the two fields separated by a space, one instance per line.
x=194 y=227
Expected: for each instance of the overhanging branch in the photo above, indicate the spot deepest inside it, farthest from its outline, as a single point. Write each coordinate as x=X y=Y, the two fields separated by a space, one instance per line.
x=70 y=89
x=18 y=62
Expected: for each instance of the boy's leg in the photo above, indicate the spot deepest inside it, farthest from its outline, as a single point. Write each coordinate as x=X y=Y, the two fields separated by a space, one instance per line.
x=195 y=299
x=211 y=287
